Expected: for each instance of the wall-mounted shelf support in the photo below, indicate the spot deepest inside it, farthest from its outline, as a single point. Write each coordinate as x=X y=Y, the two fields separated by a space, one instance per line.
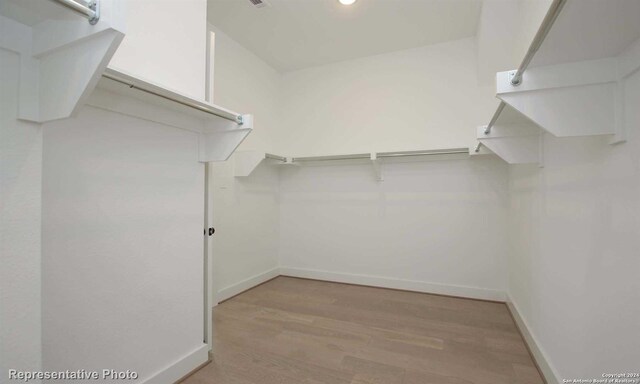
x=377 y=167
x=219 y=145
x=514 y=138
x=245 y=162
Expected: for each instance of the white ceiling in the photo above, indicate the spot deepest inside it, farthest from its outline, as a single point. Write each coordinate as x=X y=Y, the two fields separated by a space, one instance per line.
x=295 y=34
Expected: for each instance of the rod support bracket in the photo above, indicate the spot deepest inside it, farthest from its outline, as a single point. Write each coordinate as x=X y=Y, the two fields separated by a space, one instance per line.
x=95 y=6
x=514 y=79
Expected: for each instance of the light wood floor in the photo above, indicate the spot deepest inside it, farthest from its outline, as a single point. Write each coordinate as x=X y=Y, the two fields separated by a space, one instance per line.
x=292 y=331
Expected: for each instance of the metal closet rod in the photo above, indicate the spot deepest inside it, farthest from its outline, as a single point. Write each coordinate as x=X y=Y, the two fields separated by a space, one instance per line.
x=235 y=118
x=89 y=9
x=451 y=151
x=545 y=27
x=494 y=118
x=379 y=155
x=336 y=157
x=275 y=157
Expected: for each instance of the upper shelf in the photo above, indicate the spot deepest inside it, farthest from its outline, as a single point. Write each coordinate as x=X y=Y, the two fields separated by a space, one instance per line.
x=220 y=130
x=53 y=42
x=125 y=93
x=571 y=81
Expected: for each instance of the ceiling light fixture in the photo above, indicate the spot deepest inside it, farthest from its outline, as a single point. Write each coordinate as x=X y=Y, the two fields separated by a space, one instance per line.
x=347 y=2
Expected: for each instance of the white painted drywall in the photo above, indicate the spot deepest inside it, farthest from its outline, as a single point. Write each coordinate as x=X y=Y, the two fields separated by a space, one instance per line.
x=529 y=18
x=243 y=82
x=246 y=218
x=20 y=215
x=165 y=43
x=505 y=31
x=424 y=98
x=245 y=210
x=419 y=92
x=123 y=208
x=434 y=225
x=494 y=39
x=574 y=259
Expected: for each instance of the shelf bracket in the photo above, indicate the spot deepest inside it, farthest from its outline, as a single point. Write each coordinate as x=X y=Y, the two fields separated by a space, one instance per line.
x=377 y=166
x=517 y=143
x=220 y=145
x=245 y=162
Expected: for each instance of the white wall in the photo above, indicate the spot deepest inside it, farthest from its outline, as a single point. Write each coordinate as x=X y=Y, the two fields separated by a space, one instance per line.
x=423 y=98
x=245 y=210
x=122 y=250
x=436 y=226
x=505 y=31
x=494 y=39
x=165 y=43
x=529 y=18
x=20 y=215
x=573 y=267
x=418 y=96
x=245 y=83
x=246 y=218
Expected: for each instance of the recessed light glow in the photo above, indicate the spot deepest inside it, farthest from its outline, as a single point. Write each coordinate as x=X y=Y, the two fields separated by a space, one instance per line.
x=347 y=2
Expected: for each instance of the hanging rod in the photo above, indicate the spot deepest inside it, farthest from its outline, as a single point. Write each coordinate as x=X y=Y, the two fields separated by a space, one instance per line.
x=545 y=27
x=89 y=9
x=494 y=118
x=275 y=157
x=478 y=147
x=450 y=151
x=129 y=82
x=337 y=157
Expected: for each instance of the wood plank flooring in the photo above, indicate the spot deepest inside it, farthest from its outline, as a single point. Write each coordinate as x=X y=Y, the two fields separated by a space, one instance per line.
x=292 y=331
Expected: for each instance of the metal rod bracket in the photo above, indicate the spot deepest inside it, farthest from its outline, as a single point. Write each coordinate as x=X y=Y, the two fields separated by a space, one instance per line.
x=94 y=5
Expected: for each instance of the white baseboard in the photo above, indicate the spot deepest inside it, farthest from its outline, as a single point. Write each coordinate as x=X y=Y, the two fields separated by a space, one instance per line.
x=180 y=368
x=385 y=282
x=548 y=371
x=249 y=283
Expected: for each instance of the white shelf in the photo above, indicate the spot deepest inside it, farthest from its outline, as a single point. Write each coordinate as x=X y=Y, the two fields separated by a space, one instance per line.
x=220 y=130
x=124 y=93
x=573 y=84
x=53 y=43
